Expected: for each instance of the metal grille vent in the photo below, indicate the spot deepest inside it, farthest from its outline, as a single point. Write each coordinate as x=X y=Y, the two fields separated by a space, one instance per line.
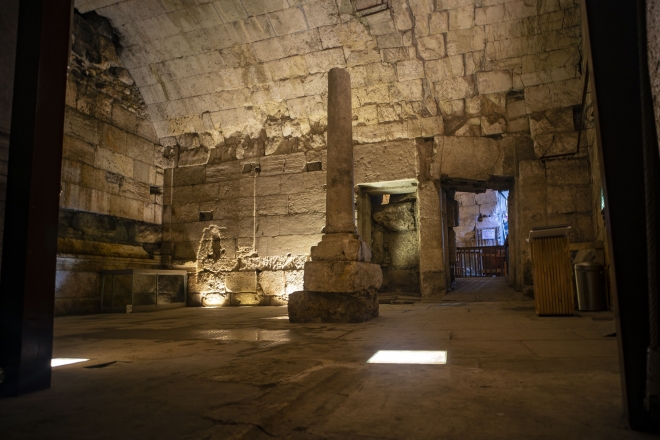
x=368 y=7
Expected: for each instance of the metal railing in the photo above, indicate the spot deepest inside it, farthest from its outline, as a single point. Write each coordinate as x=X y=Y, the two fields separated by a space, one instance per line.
x=483 y=261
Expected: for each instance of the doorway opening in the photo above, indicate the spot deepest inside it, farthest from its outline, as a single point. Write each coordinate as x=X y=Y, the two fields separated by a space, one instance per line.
x=481 y=237
x=388 y=222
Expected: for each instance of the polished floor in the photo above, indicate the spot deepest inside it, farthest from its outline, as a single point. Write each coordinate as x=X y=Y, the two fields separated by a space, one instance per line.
x=247 y=373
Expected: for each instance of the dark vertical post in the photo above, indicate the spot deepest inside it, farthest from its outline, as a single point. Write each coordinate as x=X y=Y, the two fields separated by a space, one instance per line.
x=618 y=67
x=33 y=183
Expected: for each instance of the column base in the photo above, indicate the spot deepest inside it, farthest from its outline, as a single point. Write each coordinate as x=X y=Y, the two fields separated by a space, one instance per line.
x=341 y=276
x=306 y=306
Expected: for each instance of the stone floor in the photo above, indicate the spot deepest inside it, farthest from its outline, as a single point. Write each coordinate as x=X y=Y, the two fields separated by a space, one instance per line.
x=247 y=373
x=484 y=289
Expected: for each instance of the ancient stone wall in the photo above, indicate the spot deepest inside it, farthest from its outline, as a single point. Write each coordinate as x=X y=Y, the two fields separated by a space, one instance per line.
x=477 y=212
x=112 y=171
x=237 y=93
x=552 y=192
x=263 y=223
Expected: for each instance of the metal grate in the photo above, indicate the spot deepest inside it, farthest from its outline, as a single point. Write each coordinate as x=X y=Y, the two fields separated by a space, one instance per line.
x=483 y=261
x=368 y=7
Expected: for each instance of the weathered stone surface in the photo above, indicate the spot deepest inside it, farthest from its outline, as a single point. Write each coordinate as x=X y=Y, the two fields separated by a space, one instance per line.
x=341 y=247
x=468 y=157
x=237 y=282
x=341 y=276
x=309 y=306
x=340 y=201
x=396 y=217
x=386 y=161
x=271 y=283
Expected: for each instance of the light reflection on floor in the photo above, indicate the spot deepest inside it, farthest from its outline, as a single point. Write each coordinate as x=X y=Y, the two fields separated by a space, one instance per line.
x=58 y=362
x=408 y=357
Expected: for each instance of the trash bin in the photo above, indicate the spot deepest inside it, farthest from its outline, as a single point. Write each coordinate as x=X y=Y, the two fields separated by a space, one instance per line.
x=589 y=283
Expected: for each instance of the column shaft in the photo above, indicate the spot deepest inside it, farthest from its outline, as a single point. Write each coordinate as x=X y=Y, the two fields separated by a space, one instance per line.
x=340 y=199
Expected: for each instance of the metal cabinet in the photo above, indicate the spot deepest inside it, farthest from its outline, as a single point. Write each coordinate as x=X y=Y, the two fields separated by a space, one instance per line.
x=143 y=289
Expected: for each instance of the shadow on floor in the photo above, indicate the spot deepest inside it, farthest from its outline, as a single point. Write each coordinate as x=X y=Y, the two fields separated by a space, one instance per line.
x=484 y=289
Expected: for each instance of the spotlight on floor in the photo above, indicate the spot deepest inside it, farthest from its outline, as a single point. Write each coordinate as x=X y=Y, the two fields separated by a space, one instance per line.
x=408 y=357
x=58 y=362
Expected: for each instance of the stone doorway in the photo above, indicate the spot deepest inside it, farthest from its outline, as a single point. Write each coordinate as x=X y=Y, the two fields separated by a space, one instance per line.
x=479 y=241
x=388 y=221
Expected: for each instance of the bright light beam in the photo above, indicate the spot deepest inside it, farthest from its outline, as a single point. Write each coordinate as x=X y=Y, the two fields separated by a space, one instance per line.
x=58 y=362
x=408 y=357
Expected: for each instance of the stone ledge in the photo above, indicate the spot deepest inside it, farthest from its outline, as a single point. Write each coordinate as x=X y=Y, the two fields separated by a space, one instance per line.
x=305 y=306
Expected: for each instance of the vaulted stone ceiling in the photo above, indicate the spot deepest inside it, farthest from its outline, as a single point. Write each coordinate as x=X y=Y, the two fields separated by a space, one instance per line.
x=252 y=73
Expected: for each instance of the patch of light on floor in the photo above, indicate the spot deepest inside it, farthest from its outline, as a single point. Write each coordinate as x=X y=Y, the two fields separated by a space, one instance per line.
x=278 y=317
x=408 y=357
x=58 y=362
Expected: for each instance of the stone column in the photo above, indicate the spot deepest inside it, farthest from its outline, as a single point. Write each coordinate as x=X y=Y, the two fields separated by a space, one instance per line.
x=340 y=284
x=340 y=198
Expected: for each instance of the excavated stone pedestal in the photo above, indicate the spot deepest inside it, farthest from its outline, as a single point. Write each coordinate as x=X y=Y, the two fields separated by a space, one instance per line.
x=341 y=276
x=308 y=306
x=337 y=291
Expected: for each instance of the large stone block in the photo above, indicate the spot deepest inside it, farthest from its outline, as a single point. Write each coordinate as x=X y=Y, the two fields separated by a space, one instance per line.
x=569 y=199
x=341 y=246
x=308 y=306
x=321 y=62
x=271 y=282
x=116 y=163
x=551 y=144
x=551 y=121
x=75 y=149
x=466 y=40
x=298 y=224
x=466 y=157
x=449 y=67
x=489 y=14
x=433 y=283
x=321 y=13
x=455 y=88
x=495 y=81
x=431 y=47
x=409 y=70
x=294 y=280
x=461 y=18
x=288 y=21
x=568 y=172
x=385 y=161
x=306 y=202
x=553 y=95
x=241 y=282
x=286 y=244
x=341 y=276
